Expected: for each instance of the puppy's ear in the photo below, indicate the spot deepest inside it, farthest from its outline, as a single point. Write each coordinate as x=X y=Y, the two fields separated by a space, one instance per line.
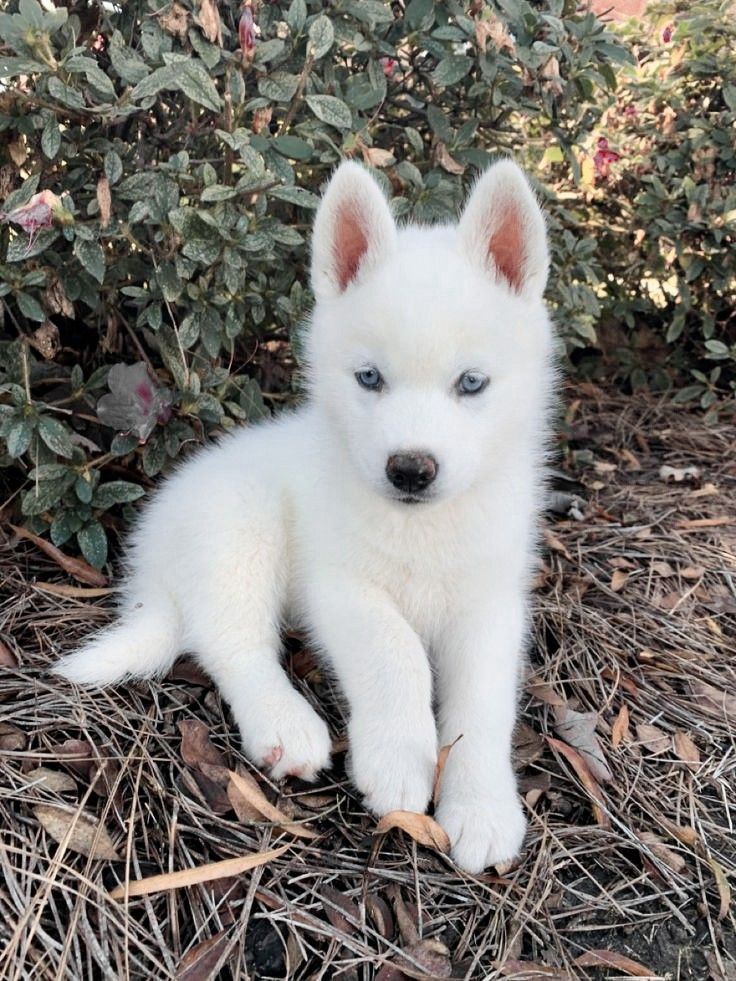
x=502 y=229
x=353 y=231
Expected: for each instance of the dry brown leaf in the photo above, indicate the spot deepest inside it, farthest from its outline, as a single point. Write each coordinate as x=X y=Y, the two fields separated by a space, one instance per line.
x=56 y=300
x=49 y=779
x=7 y=658
x=82 y=831
x=664 y=853
x=72 y=592
x=663 y=569
x=261 y=119
x=545 y=693
x=104 y=201
x=175 y=20
x=578 y=730
x=208 y=19
x=11 y=737
x=342 y=912
x=374 y=156
x=528 y=745
x=426 y=958
x=723 y=886
x=692 y=572
x=630 y=458
x=714 y=700
x=556 y=544
x=380 y=915
x=252 y=793
x=619 y=562
x=45 y=339
x=707 y=490
x=196 y=747
x=610 y=958
x=620 y=729
x=441 y=157
x=200 y=963
x=202 y=873
x=530 y=970
x=420 y=827
x=682 y=832
x=440 y=768
x=586 y=778
x=686 y=749
x=493 y=29
x=653 y=739
x=77 y=568
x=695 y=523
x=619 y=580
x=18 y=151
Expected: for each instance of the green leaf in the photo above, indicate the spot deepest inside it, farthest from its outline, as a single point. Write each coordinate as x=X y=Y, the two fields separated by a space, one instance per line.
x=19 y=437
x=295 y=195
x=62 y=528
x=55 y=436
x=51 y=138
x=83 y=489
x=296 y=16
x=420 y=14
x=218 y=192
x=116 y=492
x=293 y=147
x=162 y=78
x=321 y=36
x=30 y=307
x=126 y=62
x=194 y=80
x=42 y=497
x=65 y=94
x=330 y=110
x=10 y=67
x=93 y=543
x=452 y=69
x=113 y=166
x=92 y=257
x=278 y=86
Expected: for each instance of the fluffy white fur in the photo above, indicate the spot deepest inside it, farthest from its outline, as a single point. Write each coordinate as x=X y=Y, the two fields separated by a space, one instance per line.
x=296 y=521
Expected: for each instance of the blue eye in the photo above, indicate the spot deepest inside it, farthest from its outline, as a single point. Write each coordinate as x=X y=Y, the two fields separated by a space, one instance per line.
x=370 y=378
x=471 y=383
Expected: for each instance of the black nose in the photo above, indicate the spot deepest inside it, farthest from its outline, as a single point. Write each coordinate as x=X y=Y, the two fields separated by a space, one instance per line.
x=411 y=472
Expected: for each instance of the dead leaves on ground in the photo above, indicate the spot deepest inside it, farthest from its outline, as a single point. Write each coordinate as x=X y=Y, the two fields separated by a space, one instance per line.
x=225 y=789
x=421 y=827
x=77 y=830
x=201 y=873
x=77 y=568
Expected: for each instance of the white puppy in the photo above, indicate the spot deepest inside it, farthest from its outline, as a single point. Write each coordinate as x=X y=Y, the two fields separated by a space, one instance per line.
x=393 y=516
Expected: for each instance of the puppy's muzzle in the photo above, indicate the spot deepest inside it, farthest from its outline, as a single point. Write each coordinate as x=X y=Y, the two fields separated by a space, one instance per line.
x=411 y=473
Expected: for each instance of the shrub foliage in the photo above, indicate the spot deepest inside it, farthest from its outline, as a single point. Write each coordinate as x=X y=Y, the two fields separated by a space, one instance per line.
x=159 y=168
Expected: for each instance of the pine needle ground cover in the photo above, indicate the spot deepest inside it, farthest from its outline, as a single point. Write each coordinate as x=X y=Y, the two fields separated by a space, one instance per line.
x=625 y=752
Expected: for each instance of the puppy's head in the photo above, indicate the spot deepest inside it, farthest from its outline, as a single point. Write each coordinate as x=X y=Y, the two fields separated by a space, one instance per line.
x=430 y=347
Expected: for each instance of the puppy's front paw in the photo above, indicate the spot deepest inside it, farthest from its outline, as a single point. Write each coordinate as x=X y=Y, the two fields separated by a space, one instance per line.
x=394 y=770
x=483 y=831
x=286 y=736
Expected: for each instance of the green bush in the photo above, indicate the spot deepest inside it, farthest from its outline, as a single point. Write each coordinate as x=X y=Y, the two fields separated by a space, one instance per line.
x=159 y=169
x=666 y=211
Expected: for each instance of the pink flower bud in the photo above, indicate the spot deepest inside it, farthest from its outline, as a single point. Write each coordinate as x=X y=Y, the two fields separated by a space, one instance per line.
x=389 y=66
x=667 y=33
x=247 y=34
x=36 y=215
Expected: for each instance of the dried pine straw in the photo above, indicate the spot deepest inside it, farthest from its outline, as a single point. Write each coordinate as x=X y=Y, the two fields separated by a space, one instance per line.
x=627 y=876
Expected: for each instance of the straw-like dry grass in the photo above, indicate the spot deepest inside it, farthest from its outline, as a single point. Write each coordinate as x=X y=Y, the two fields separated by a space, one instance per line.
x=635 y=615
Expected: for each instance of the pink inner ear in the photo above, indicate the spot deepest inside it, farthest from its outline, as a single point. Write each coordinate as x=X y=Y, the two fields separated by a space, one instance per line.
x=506 y=248
x=351 y=244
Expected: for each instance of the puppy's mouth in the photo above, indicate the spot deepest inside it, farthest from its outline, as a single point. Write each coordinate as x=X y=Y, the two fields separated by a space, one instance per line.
x=412 y=498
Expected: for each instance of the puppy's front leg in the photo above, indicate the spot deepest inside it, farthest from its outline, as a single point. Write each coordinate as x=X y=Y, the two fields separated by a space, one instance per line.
x=383 y=670
x=478 y=672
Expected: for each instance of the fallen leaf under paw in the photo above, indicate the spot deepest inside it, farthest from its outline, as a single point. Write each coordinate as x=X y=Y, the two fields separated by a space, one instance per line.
x=421 y=827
